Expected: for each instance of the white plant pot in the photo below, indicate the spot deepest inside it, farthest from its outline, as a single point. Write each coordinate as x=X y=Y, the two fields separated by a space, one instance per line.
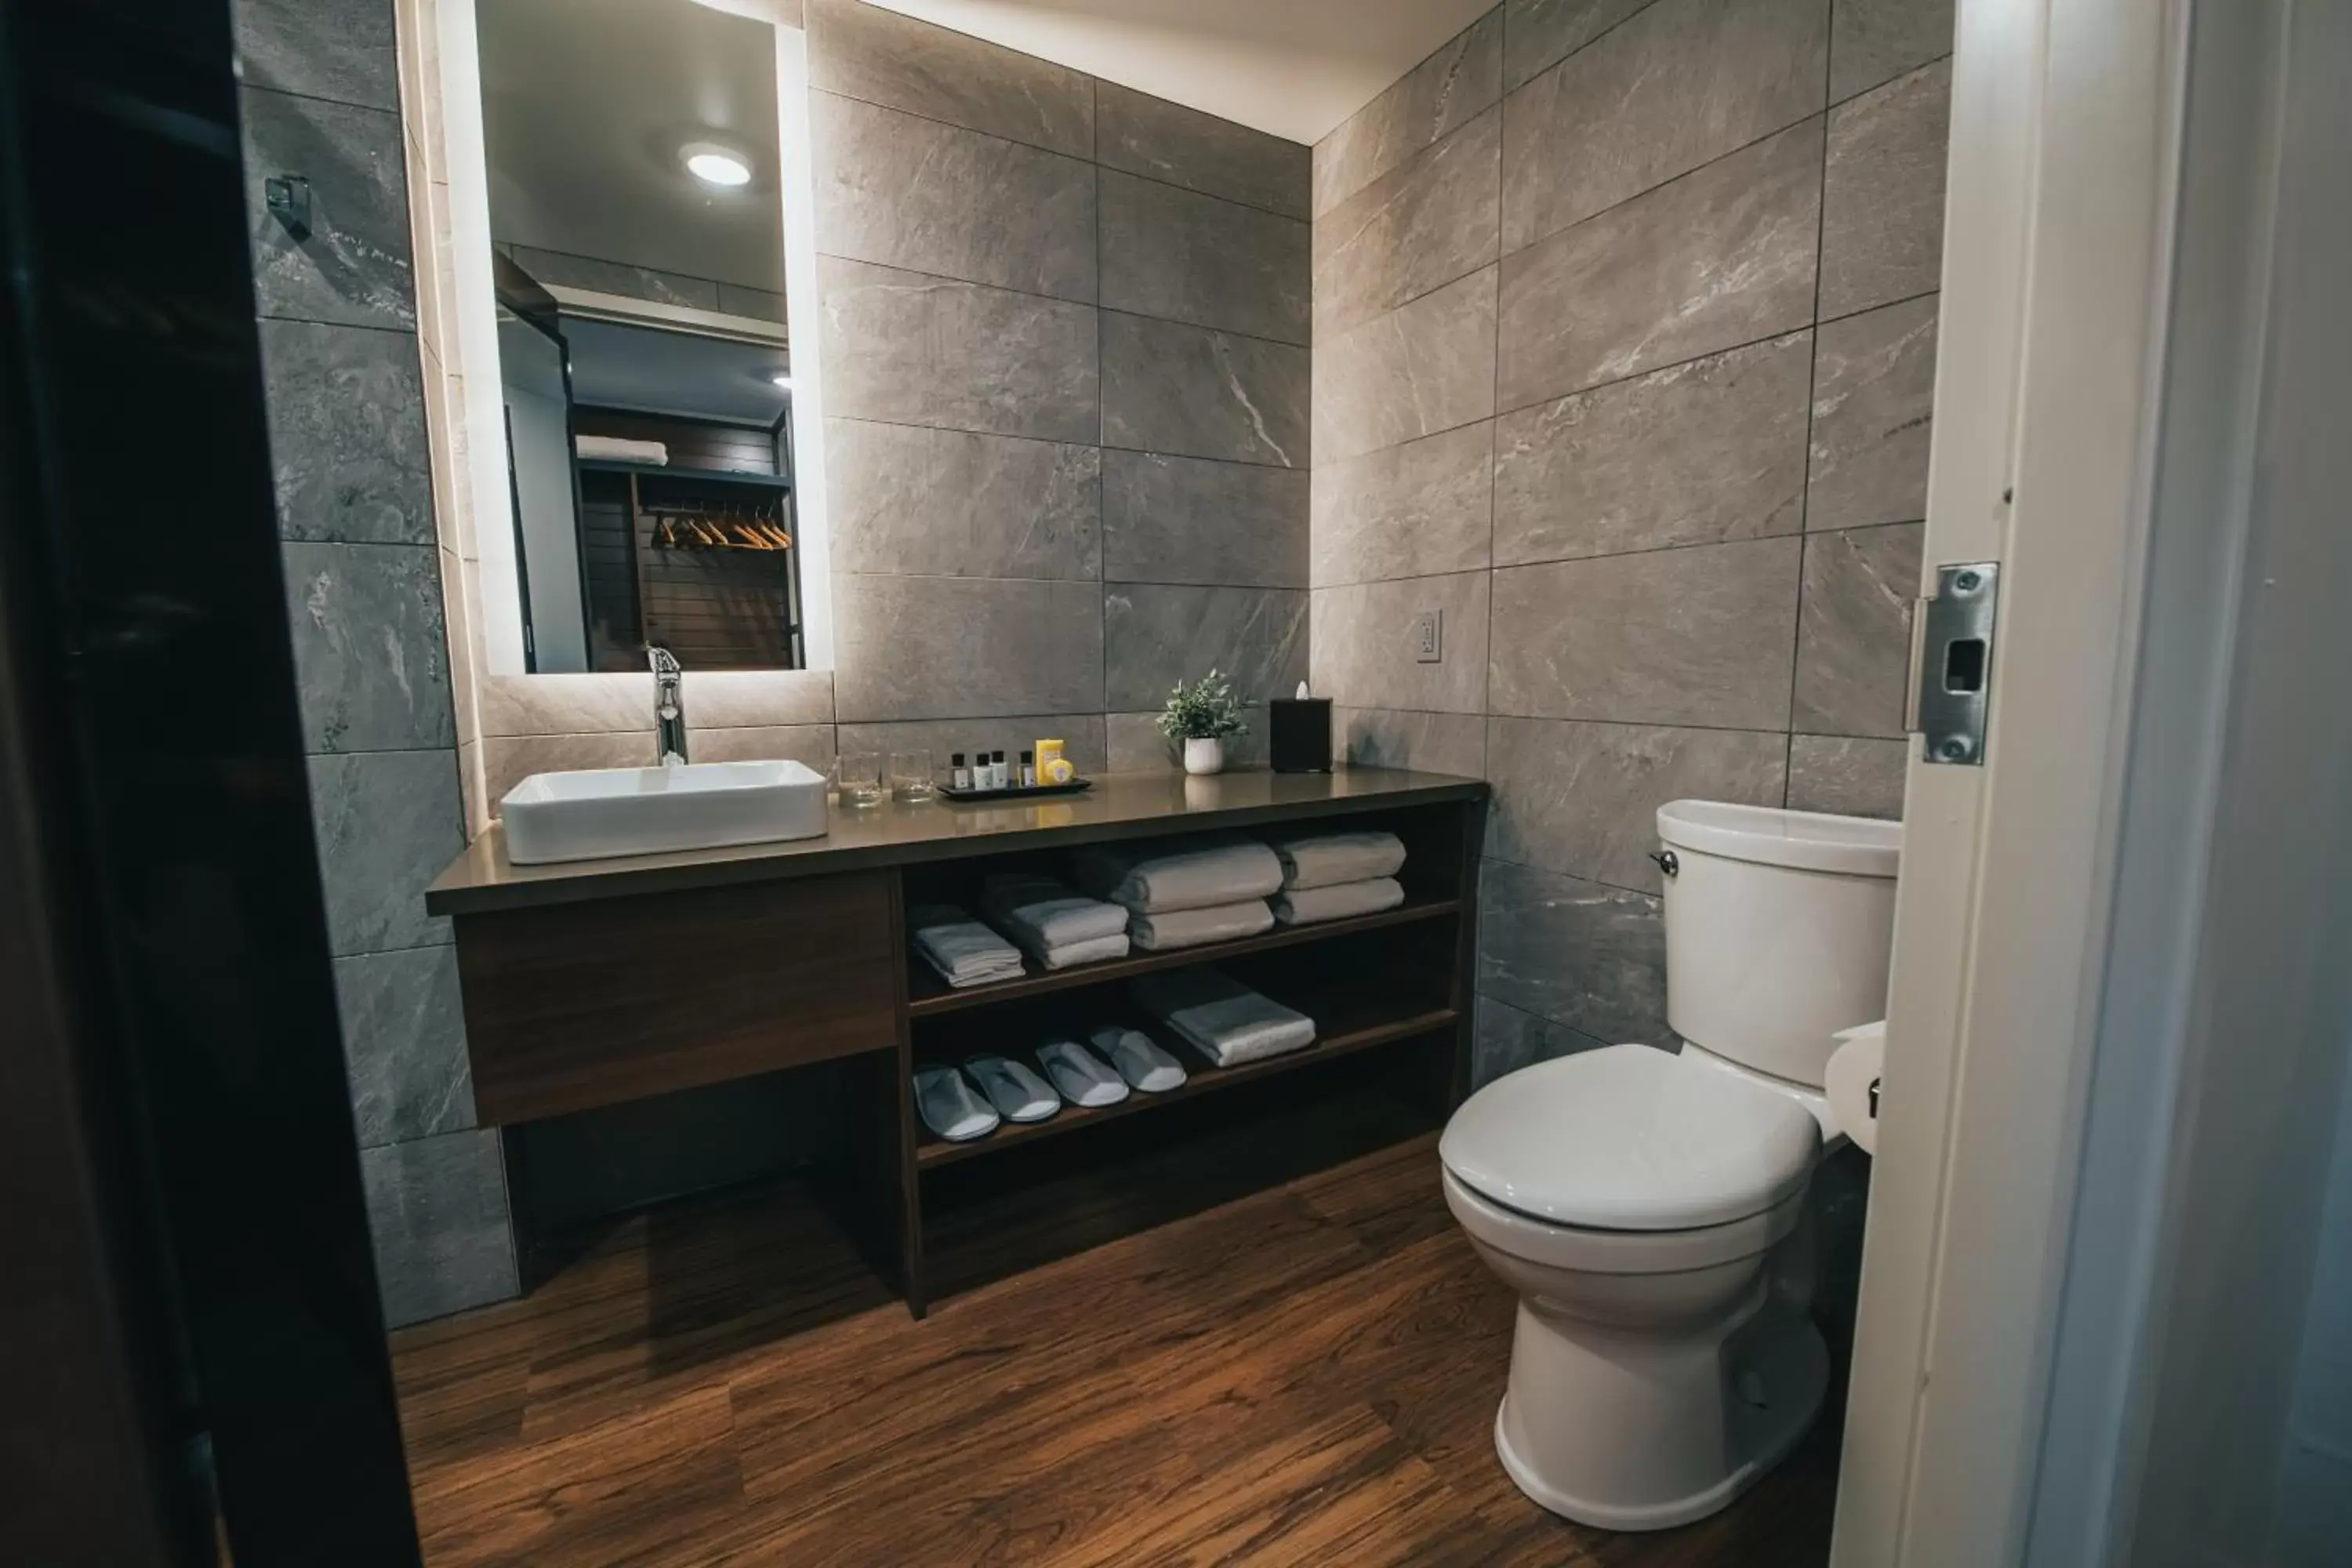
x=1205 y=756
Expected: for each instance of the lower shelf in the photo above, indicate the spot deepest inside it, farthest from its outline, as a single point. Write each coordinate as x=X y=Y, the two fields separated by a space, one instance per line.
x=1349 y=1036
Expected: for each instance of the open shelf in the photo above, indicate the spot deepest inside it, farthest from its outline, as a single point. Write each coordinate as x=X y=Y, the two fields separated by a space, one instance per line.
x=1348 y=1029
x=927 y=995
x=685 y=471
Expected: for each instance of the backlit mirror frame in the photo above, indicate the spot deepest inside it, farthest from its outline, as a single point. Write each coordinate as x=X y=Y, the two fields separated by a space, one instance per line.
x=493 y=605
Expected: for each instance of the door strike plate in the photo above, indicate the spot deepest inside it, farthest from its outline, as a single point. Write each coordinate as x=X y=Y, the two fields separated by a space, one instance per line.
x=1951 y=664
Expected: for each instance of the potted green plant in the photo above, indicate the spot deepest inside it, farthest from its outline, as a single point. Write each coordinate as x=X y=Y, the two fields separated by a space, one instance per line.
x=1201 y=715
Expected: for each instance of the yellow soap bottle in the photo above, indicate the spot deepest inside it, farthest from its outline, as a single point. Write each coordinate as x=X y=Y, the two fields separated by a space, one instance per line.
x=1053 y=768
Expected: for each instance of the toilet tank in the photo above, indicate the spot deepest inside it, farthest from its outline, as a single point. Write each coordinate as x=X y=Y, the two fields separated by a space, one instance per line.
x=1778 y=928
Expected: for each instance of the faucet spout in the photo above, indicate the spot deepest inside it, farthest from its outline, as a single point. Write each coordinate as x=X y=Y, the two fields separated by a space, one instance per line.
x=669 y=707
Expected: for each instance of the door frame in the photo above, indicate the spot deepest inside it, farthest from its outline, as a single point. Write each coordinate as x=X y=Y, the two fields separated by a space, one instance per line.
x=2064 y=146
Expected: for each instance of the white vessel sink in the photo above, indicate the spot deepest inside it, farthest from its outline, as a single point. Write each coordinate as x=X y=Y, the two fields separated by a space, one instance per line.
x=643 y=811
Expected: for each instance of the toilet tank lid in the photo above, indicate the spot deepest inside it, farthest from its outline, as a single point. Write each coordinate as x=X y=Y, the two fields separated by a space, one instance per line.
x=1769 y=835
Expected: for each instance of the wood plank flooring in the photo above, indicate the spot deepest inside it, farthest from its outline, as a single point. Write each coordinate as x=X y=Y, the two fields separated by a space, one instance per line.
x=1305 y=1375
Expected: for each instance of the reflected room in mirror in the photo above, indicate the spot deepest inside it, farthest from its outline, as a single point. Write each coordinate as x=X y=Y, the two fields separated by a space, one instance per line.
x=636 y=222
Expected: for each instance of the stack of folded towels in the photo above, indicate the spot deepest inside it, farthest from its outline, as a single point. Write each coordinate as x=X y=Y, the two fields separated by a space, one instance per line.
x=1219 y=1017
x=964 y=951
x=1056 y=926
x=1332 y=876
x=1214 y=893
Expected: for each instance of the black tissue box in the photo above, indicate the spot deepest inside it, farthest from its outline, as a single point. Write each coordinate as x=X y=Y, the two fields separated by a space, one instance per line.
x=1300 y=733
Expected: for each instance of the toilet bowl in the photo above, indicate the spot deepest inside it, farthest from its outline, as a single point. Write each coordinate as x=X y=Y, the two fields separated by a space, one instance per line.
x=1650 y=1210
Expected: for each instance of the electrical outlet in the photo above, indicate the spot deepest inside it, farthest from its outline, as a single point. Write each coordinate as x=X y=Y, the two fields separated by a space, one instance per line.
x=1428 y=641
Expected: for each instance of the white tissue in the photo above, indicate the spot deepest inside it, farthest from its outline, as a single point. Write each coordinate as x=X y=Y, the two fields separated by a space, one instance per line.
x=1853 y=1067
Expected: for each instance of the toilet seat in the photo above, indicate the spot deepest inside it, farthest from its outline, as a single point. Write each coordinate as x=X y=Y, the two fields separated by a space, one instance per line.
x=1630 y=1139
x=1588 y=1251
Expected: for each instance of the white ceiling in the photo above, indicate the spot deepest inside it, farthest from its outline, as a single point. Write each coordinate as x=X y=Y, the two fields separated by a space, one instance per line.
x=585 y=106
x=615 y=366
x=1294 y=67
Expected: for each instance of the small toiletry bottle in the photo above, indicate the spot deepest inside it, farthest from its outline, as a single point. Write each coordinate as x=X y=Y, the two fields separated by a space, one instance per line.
x=996 y=767
x=1028 y=770
x=957 y=772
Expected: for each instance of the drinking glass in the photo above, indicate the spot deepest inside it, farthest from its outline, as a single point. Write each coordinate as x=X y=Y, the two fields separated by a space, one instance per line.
x=860 y=777
x=910 y=776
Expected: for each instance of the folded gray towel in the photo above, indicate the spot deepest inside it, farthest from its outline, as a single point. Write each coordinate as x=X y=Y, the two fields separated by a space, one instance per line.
x=1094 y=950
x=1191 y=928
x=1325 y=859
x=1304 y=906
x=964 y=951
x=1039 y=912
x=1223 y=1020
x=1194 y=878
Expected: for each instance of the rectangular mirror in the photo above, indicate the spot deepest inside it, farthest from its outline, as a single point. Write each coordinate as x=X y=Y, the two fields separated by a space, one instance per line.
x=632 y=157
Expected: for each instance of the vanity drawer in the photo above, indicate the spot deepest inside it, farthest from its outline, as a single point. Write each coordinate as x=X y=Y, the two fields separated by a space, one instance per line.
x=577 y=1006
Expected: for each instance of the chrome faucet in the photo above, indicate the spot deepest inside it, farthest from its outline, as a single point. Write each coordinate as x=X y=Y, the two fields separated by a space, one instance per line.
x=669 y=707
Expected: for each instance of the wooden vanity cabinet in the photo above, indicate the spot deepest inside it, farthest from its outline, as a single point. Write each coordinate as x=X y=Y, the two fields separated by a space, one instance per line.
x=603 y=982
x=572 y=1006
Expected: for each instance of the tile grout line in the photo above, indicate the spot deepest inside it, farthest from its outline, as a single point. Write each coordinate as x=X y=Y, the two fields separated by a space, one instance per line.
x=1589 y=43
x=1494 y=438
x=395 y=328
x=1749 y=145
x=1489 y=855
x=1055 y=441
x=1094 y=155
x=1549 y=398
x=393 y=113
x=1610 y=555
x=1812 y=390
x=1102 y=542
x=1050 y=440
x=1613 y=723
x=363 y=543
x=1095 y=304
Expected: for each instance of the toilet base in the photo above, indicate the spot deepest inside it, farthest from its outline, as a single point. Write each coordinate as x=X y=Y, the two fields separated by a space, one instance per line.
x=1632 y=1433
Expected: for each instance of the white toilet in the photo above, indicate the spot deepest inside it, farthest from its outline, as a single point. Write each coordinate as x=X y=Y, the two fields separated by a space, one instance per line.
x=1650 y=1208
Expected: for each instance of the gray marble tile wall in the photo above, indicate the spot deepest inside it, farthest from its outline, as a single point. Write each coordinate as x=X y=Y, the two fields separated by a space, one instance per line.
x=1067 y=377
x=1624 y=360
x=1066 y=361
x=363 y=592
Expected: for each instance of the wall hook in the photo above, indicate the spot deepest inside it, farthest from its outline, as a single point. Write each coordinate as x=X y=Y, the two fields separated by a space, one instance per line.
x=288 y=198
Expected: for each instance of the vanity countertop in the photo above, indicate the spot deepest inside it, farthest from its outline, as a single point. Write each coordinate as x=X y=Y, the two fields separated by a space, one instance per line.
x=1119 y=806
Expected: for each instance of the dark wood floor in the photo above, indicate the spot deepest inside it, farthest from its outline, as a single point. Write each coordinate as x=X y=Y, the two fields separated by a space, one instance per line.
x=1305 y=1375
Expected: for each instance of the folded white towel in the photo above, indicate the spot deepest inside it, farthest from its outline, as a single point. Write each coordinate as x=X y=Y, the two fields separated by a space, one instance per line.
x=623 y=450
x=1325 y=859
x=1191 y=928
x=1144 y=1065
x=1304 y=906
x=1094 y=950
x=1222 y=1019
x=964 y=951
x=949 y=1106
x=1191 y=878
x=1018 y=1093
x=1082 y=1079
x=1039 y=912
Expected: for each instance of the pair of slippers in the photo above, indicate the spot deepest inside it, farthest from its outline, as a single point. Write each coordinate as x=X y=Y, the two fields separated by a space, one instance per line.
x=1014 y=1092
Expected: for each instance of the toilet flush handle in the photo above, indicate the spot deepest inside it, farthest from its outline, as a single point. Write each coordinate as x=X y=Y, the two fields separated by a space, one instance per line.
x=1667 y=861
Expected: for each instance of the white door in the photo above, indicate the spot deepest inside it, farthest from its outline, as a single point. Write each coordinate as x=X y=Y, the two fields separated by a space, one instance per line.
x=2054 y=272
